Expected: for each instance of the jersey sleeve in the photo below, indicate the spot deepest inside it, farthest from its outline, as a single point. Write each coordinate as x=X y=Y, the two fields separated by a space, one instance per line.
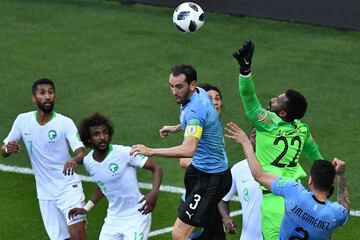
x=262 y=119
x=194 y=121
x=86 y=162
x=232 y=190
x=285 y=187
x=15 y=132
x=311 y=149
x=341 y=213
x=136 y=161
x=72 y=134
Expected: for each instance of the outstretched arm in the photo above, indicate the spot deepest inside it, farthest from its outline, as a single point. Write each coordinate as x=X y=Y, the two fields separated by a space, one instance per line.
x=246 y=86
x=237 y=134
x=185 y=150
x=165 y=130
x=151 y=197
x=255 y=112
x=71 y=165
x=343 y=193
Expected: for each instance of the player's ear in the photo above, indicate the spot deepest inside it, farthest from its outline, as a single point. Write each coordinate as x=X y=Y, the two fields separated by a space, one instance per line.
x=310 y=181
x=33 y=99
x=193 y=85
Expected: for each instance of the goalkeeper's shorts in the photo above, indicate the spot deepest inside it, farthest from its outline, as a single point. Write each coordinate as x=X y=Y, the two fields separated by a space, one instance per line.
x=272 y=212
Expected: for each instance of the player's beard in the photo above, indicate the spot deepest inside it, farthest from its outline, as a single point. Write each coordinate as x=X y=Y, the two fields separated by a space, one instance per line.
x=185 y=98
x=46 y=109
x=101 y=149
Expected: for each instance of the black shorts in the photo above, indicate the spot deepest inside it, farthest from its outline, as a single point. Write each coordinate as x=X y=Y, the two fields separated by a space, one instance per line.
x=214 y=229
x=203 y=193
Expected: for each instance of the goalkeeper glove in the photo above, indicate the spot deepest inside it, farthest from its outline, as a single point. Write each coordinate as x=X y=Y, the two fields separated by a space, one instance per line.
x=244 y=56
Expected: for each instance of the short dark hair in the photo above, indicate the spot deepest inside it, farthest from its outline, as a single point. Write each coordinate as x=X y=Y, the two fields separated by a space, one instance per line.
x=295 y=105
x=322 y=174
x=94 y=120
x=40 y=82
x=188 y=70
x=208 y=87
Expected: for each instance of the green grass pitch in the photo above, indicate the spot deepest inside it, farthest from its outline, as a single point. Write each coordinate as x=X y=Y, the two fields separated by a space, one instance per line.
x=113 y=58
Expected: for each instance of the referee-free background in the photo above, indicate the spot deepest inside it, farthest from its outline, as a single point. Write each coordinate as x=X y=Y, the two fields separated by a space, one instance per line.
x=115 y=59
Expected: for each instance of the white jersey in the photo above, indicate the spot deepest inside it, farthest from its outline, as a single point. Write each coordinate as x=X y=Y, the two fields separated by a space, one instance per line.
x=116 y=177
x=250 y=196
x=48 y=148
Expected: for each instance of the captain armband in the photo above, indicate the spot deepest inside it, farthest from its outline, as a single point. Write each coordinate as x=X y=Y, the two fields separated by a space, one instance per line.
x=193 y=131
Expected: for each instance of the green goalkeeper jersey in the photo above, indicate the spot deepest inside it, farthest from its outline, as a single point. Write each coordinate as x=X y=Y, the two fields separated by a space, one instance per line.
x=279 y=144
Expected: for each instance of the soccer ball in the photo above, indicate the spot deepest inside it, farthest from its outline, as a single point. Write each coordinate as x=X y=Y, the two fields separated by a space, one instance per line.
x=188 y=17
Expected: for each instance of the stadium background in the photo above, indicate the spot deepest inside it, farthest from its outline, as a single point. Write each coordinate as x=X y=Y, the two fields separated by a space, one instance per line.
x=114 y=58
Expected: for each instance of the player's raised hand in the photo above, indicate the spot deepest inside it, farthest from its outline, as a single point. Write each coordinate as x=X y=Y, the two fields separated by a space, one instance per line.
x=140 y=149
x=229 y=225
x=339 y=166
x=12 y=147
x=70 y=167
x=244 y=56
x=235 y=133
x=149 y=202
x=76 y=211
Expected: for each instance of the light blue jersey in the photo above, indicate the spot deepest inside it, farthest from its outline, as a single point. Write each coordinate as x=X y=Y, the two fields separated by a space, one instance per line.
x=305 y=216
x=210 y=156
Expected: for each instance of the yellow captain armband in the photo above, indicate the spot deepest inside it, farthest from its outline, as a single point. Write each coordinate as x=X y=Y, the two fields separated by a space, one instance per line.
x=193 y=131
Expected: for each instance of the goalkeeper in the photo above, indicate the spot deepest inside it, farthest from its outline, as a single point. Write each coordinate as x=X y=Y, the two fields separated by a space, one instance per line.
x=280 y=137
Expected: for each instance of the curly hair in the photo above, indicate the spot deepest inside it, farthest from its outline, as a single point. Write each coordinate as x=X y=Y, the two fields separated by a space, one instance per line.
x=94 y=120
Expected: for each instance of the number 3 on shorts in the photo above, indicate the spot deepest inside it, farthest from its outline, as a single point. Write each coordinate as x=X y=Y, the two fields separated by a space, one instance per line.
x=197 y=199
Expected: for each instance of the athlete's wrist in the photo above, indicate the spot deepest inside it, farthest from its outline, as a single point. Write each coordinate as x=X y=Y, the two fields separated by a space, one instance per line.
x=152 y=152
x=89 y=205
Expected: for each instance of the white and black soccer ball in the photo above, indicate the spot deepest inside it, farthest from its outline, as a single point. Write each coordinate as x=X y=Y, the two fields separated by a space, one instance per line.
x=188 y=17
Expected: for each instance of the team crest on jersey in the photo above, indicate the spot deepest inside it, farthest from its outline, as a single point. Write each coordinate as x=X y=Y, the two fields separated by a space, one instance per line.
x=52 y=134
x=113 y=167
x=262 y=115
x=191 y=130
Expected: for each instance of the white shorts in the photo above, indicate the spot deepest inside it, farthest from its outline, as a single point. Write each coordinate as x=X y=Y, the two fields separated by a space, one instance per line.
x=135 y=228
x=55 y=213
